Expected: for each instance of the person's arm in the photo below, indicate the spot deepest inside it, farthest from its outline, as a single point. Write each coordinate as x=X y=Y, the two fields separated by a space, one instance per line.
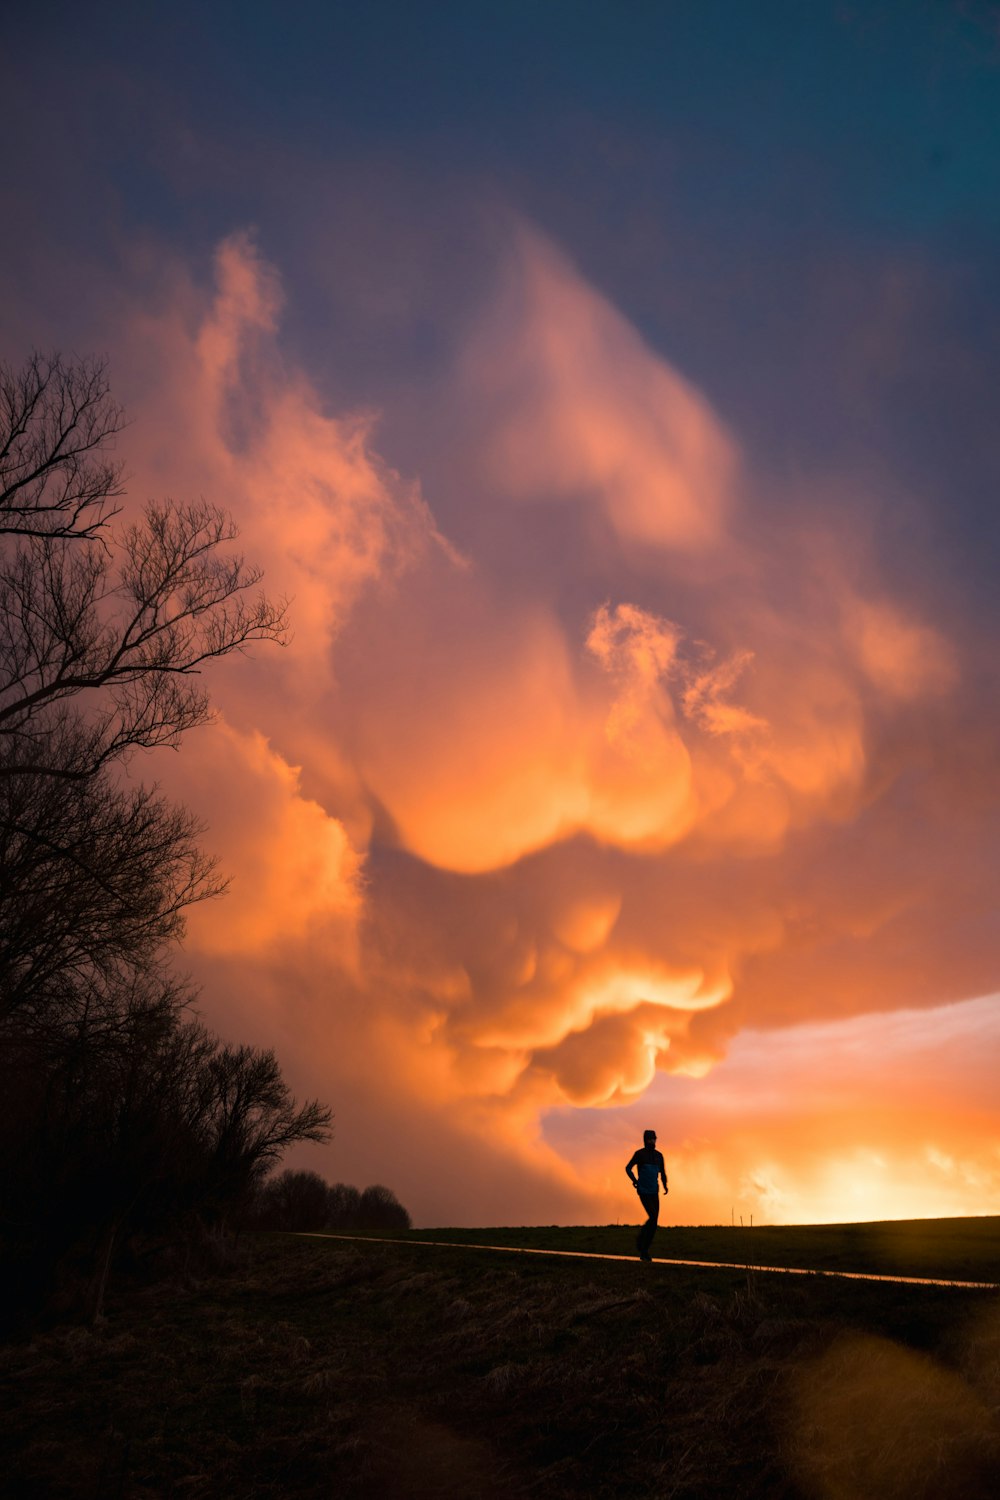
x=628 y=1169
x=663 y=1174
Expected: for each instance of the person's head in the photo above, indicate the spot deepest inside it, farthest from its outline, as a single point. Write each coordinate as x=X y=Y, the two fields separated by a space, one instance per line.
x=649 y=1137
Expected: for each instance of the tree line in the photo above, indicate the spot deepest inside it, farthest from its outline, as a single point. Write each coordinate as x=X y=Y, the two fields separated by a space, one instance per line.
x=304 y=1201
x=126 y=1128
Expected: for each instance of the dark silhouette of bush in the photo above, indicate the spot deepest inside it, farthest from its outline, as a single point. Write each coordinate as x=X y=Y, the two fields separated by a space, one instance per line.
x=381 y=1209
x=298 y=1201
x=156 y=1135
x=345 y=1207
x=303 y=1202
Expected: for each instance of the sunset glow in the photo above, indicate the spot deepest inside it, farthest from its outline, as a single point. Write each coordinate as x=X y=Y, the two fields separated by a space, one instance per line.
x=633 y=759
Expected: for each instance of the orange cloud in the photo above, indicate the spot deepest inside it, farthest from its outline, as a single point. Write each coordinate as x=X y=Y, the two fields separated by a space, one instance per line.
x=585 y=412
x=902 y=658
x=290 y=865
x=517 y=830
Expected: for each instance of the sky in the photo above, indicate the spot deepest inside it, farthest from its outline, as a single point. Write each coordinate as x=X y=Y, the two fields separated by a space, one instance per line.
x=611 y=389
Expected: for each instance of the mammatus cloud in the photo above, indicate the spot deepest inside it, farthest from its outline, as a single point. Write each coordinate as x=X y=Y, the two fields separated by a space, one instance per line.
x=516 y=829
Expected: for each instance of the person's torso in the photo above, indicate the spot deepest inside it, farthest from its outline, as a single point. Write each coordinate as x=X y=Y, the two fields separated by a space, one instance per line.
x=648 y=1164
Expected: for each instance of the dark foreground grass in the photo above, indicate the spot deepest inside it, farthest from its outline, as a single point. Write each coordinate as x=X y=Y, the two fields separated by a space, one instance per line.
x=322 y=1368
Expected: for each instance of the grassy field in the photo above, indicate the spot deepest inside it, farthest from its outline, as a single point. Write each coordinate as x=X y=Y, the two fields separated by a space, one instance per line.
x=325 y=1368
x=958 y=1249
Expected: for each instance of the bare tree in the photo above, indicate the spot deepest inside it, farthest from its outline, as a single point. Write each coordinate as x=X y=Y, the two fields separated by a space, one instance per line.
x=97 y=660
x=103 y=629
x=253 y=1116
x=119 y=1115
x=94 y=881
x=57 y=421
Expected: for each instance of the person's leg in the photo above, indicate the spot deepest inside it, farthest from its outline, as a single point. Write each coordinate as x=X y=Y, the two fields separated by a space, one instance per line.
x=651 y=1204
x=654 y=1219
x=640 y=1239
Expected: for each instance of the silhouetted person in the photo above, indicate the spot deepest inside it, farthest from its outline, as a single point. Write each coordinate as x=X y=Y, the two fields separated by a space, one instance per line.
x=650 y=1166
